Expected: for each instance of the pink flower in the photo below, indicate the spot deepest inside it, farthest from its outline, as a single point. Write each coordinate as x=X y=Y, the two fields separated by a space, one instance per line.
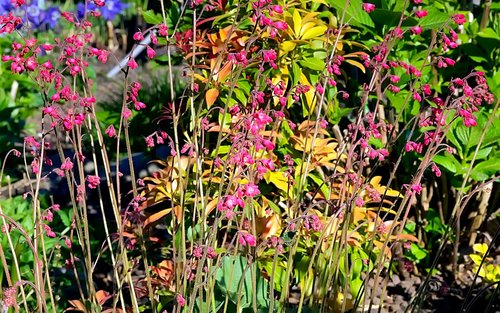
x=395 y=79
x=459 y=19
x=280 y=25
x=421 y=13
x=278 y=9
x=132 y=64
x=67 y=165
x=138 y=36
x=435 y=169
x=110 y=131
x=416 y=30
x=150 y=52
x=93 y=181
x=368 y=7
x=247 y=239
x=126 y=114
x=180 y=300
x=416 y=96
x=417 y=188
x=251 y=190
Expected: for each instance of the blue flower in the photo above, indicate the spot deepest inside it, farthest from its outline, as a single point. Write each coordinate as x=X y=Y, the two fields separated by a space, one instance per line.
x=109 y=11
x=5 y=7
x=52 y=16
x=80 y=9
x=35 y=15
x=112 y=8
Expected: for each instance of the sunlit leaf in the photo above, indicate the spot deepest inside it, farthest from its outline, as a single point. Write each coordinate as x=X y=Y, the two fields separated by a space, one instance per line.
x=211 y=96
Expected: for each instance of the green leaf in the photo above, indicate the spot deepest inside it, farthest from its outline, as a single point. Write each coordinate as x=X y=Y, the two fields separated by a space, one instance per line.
x=313 y=64
x=386 y=17
x=353 y=12
x=481 y=154
x=296 y=72
x=417 y=252
x=151 y=17
x=234 y=278
x=448 y=161
x=434 y=19
x=486 y=169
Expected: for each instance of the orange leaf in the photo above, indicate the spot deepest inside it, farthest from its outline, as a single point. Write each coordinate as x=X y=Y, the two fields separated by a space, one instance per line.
x=154 y=217
x=211 y=96
x=77 y=305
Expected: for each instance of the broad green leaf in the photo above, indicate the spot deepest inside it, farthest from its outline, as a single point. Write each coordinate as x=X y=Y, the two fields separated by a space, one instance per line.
x=486 y=169
x=296 y=72
x=151 y=17
x=481 y=154
x=353 y=12
x=418 y=252
x=313 y=64
x=234 y=278
x=448 y=161
x=434 y=19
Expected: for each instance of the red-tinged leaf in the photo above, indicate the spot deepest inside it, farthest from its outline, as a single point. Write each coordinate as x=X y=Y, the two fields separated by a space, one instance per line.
x=76 y=305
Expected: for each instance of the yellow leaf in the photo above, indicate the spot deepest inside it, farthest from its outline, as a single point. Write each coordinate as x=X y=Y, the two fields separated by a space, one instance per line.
x=277 y=179
x=476 y=258
x=315 y=32
x=480 y=248
x=211 y=96
x=297 y=22
x=288 y=46
x=310 y=99
x=356 y=64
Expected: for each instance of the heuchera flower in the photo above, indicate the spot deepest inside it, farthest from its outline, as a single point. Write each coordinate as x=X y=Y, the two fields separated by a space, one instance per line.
x=459 y=19
x=368 y=7
x=247 y=239
x=421 y=13
x=416 y=30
